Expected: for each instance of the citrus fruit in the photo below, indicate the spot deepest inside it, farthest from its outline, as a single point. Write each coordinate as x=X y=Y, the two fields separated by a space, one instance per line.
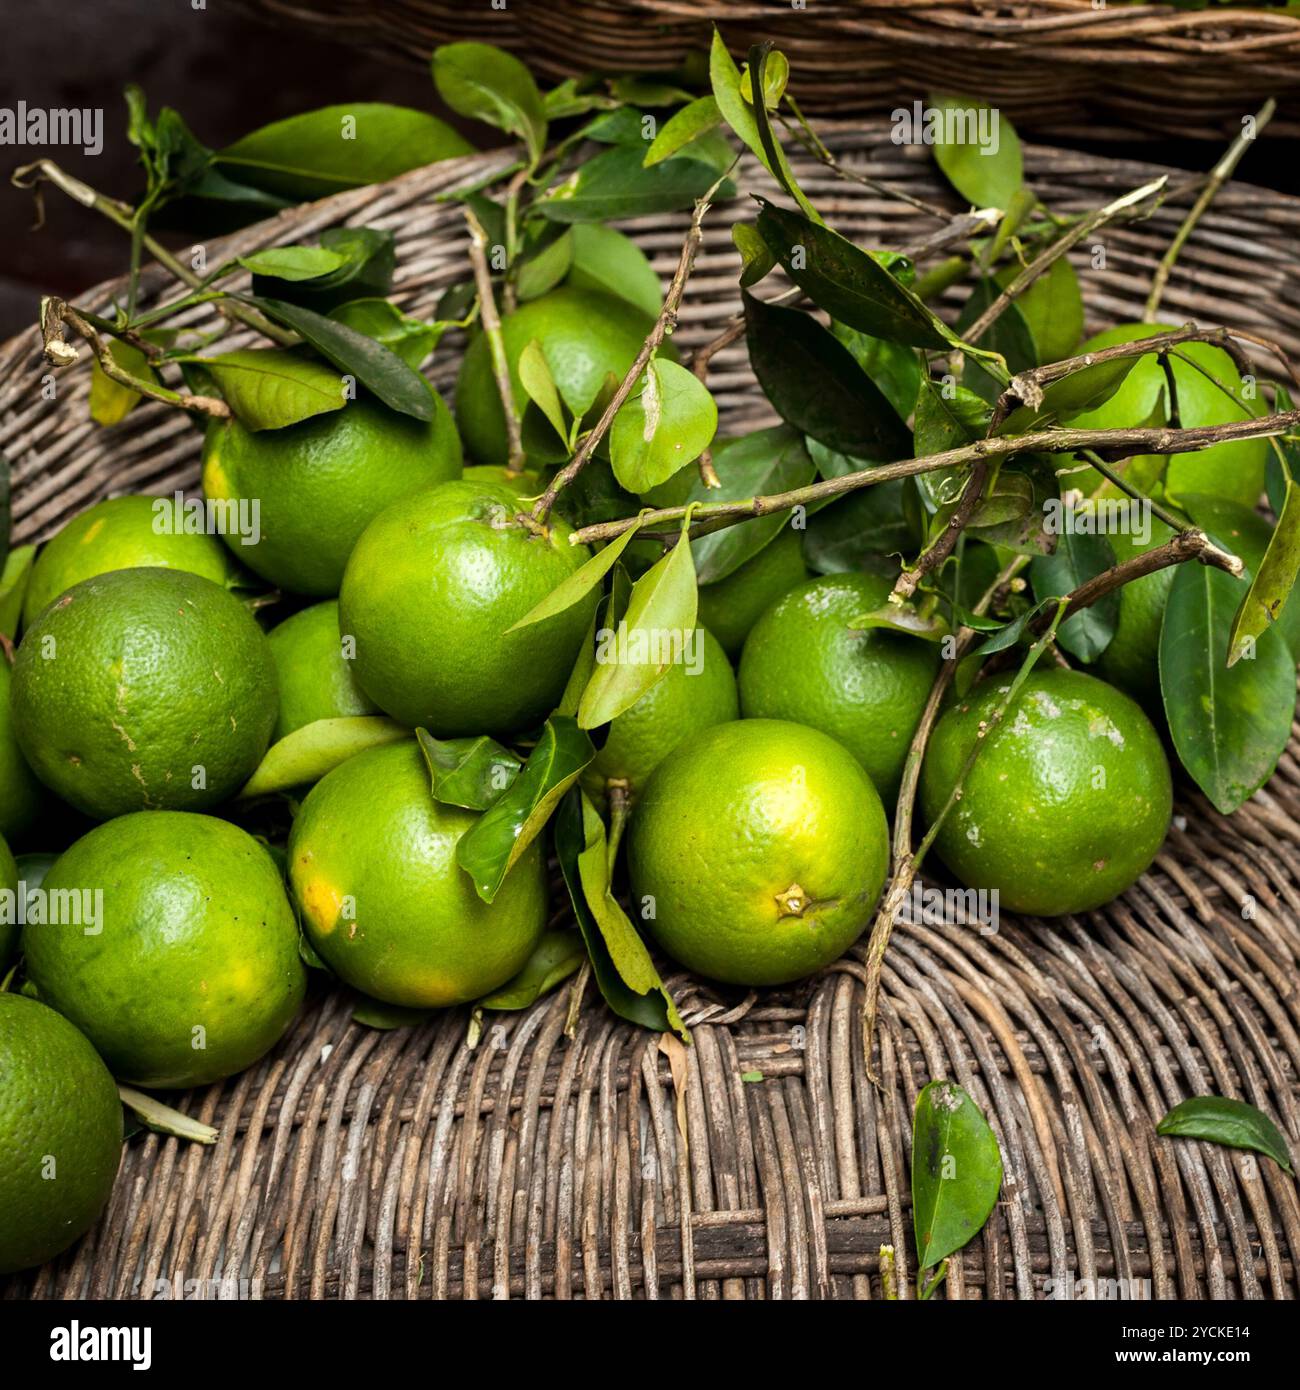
x=372 y=865
x=21 y=793
x=122 y=533
x=730 y=607
x=584 y=335
x=9 y=926
x=1235 y=469
x=694 y=695
x=1068 y=801
x=317 y=484
x=525 y=483
x=182 y=965
x=1131 y=657
x=867 y=688
x=60 y=1134
x=432 y=586
x=761 y=848
x=316 y=680
x=144 y=688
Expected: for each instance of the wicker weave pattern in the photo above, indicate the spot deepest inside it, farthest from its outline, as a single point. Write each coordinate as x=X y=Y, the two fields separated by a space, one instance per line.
x=1051 y=64
x=405 y=1164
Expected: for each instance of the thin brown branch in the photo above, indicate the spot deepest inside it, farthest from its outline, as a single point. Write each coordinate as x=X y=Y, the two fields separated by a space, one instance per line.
x=487 y=307
x=936 y=553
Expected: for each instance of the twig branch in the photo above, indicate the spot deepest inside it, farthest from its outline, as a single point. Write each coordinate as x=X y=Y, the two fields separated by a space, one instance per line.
x=1219 y=175
x=663 y=326
x=487 y=307
x=934 y=554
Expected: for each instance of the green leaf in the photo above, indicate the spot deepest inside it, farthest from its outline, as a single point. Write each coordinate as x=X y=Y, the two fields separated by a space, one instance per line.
x=490 y=85
x=164 y=1119
x=536 y=379
x=1077 y=394
x=557 y=956
x=984 y=176
x=668 y=424
x=13 y=586
x=1013 y=511
x=307 y=754
x=579 y=584
x=572 y=97
x=544 y=262
x=754 y=465
x=606 y=260
x=893 y=367
x=660 y=615
x=271 y=388
x=409 y=338
x=338 y=147
x=292 y=262
x=1052 y=307
x=850 y=285
x=756 y=260
x=614 y=184
x=860 y=528
x=1009 y=335
x=580 y=833
x=473 y=772
x=367 y=260
x=1077 y=559
x=814 y=383
x=371 y=363
x=776 y=76
x=375 y=1013
x=947 y=417
x=1232 y=1123
x=905 y=618
x=490 y=848
x=681 y=128
x=1229 y=725
x=110 y=401
x=956 y=1171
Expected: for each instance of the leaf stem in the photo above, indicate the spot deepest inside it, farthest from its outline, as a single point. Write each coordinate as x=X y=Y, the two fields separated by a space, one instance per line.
x=487 y=305
x=1119 y=481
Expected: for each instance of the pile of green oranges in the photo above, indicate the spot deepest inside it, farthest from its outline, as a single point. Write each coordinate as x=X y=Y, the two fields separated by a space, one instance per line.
x=164 y=942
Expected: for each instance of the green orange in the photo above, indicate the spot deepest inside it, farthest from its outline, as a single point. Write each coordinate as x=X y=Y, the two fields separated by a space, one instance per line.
x=122 y=533
x=60 y=1133
x=318 y=484
x=9 y=927
x=694 y=695
x=144 y=689
x=804 y=660
x=181 y=962
x=431 y=589
x=372 y=866
x=1131 y=657
x=316 y=679
x=1068 y=801
x=757 y=851
x=584 y=336
x=730 y=607
x=21 y=793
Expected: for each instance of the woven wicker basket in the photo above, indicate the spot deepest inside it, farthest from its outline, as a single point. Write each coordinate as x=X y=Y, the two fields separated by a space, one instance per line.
x=1059 y=67
x=407 y=1165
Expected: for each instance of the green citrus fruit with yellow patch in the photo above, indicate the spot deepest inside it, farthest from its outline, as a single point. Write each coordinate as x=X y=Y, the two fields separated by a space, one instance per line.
x=1068 y=801
x=60 y=1133
x=584 y=336
x=181 y=964
x=123 y=533
x=757 y=851
x=144 y=689
x=430 y=592
x=372 y=865
x=730 y=607
x=316 y=679
x=1235 y=469
x=697 y=693
x=21 y=793
x=804 y=660
x=318 y=484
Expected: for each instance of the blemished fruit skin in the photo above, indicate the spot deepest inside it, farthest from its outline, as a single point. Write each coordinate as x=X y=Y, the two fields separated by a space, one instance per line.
x=318 y=484
x=115 y=535
x=372 y=866
x=191 y=972
x=21 y=793
x=763 y=848
x=730 y=607
x=689 y=698
x=9 y=928
x=866 y=688
x=136 y=685
x=316 y=680
x=60 y=1133
x=1068 y=801
x=430 y=591
x=1235 y=469
x=584 y=336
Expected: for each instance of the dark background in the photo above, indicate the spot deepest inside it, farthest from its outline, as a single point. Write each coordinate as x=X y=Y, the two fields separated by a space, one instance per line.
x=228 y=72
